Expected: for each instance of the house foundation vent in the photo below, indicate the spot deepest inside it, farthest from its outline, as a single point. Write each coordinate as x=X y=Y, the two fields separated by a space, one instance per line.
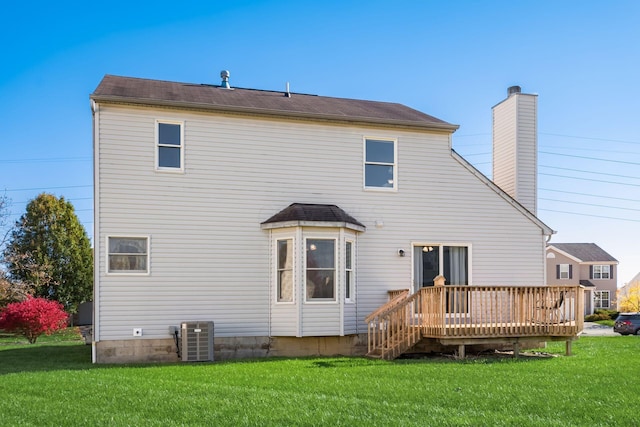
x=197 y=341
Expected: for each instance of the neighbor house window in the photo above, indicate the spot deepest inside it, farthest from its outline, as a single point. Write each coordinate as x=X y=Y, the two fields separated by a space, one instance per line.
x=285 y=271
x=564 y=271
x=348 y=271
x=170 y=154
x=128 y=255
x=380 y=164
x=601 y=299
x=601 y=272
x=320 y=270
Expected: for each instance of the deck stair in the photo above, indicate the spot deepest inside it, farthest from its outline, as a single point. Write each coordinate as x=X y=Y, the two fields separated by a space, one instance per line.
x=465 y=315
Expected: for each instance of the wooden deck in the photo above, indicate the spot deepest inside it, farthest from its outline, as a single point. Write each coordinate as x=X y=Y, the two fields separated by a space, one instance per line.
x=464 y=315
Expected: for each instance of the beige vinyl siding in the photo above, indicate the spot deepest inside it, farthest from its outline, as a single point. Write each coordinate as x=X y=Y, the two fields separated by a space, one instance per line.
x=527 y=151
x=209 y=259
x=504 y=147
x=515 y=148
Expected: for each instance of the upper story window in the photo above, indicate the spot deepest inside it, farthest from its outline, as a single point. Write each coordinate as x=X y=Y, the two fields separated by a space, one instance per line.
x=564 y=271
x=601 y=272
x=128 y=255
x=380 y=164
x=320 y=269
x=170 y=146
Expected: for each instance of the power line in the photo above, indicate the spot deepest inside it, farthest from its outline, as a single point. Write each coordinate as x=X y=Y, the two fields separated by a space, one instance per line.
x=50 y=188
x=50 y=159
x=595 y=216
x=586 y=194
x=589 y=179
x=562 y=135
x=599 y=173
x=588 y=204
x=589 y=137
x=590 y=158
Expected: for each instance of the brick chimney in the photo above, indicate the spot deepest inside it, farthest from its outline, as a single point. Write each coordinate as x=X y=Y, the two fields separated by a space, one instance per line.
x=515 y=147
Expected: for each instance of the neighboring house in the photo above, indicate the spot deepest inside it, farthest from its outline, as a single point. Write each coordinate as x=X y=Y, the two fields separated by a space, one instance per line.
x=285 y=218
x=588 y=265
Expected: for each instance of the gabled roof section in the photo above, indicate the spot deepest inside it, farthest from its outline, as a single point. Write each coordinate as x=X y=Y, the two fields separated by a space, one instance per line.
x=547 y=231
x=313 y=215
x=584 y=252
x=131 y=90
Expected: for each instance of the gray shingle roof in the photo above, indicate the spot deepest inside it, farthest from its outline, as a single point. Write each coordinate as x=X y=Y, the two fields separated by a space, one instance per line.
x=212 y=97
x=305 y=212
x=586 y=252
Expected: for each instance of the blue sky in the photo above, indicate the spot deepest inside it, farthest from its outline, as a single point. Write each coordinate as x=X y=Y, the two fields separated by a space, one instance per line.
x=450 y=59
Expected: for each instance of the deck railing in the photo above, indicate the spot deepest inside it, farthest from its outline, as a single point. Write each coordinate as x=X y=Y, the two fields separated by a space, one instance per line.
x=475 y=312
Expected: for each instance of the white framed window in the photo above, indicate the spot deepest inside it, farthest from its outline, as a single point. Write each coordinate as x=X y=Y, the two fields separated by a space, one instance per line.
x=127 y=255
x=320 y=269
x=601 y=272
x=453 y=261
x=601 y=299
x=380 y=164
x=284 y=273
x=169 y=146
x=564 y=271
x=348 y=271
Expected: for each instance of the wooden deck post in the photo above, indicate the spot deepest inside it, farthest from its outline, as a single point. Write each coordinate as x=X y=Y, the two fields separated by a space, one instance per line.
x=461 y=349
x=568 y=347
x=516 y=349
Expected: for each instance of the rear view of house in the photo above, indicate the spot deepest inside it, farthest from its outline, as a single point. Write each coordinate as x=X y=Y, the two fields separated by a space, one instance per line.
x=588 y=265
x=275 y=222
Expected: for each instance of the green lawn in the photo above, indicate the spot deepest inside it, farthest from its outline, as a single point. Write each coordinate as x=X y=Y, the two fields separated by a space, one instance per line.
x=54 y=383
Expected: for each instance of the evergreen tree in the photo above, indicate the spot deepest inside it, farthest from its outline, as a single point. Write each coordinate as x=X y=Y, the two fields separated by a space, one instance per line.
x=49 y=250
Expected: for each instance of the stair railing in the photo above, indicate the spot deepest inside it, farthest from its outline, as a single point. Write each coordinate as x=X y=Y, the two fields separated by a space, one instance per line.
x=394 y=327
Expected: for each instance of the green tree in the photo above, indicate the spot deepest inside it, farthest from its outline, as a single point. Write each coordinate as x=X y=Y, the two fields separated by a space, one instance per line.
x=49 y=250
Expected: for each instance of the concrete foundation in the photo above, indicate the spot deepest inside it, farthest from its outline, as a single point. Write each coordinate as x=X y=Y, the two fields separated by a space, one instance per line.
x=225 y=348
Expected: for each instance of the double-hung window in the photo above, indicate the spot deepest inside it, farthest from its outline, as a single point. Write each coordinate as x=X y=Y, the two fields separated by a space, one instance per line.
x=601 y=272
x=170 y=146
x=564 y=271
x=380 y=164
x=284 y=291
x=348 y=271
x=320 y=269
x=601 y=299
x=128 y=255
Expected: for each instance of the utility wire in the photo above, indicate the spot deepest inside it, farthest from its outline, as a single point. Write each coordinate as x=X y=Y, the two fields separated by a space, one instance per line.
x=50 y=159
x=50 y=188
x=594 y=172
x=595 y=216
x=589 y=195
x=588 y=179
x=588 y=204
x=589 y=137
x=590 y=158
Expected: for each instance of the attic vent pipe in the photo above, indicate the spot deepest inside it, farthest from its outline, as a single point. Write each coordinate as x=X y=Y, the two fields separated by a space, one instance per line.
x=513 y=89
x=224 y=74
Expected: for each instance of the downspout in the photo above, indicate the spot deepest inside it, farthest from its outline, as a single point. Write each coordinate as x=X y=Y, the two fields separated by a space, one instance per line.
x=95 y=112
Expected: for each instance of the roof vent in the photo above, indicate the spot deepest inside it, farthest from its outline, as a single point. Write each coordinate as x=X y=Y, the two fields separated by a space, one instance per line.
x=224 y=74
x=513 y=89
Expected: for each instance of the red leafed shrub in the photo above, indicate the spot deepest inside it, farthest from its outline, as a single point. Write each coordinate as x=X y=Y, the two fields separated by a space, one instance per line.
x=33 y=317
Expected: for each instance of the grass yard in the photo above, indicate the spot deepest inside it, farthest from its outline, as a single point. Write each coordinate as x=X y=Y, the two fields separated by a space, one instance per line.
x=53 y=383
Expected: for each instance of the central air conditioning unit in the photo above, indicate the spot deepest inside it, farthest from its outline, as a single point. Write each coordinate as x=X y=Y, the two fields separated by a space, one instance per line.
x=197 y=341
